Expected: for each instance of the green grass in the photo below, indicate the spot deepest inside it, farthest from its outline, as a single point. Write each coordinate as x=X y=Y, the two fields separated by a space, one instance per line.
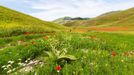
x=93 y=52
x=14 y=21
x=11 y=41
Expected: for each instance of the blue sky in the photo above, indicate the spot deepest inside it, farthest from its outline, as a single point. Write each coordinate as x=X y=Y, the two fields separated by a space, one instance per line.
x=53 y=9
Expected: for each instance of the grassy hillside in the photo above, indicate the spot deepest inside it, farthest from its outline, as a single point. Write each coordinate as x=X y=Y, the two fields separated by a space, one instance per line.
x=62 y=20
x=11 y=20
x=112 y=18
x=68 y=21
x=75 y=23
x=119 y=18
x=111 y=12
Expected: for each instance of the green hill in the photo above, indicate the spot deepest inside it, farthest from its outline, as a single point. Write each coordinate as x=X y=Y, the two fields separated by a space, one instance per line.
x=62 y=20
x=68 y=21
x=112 y=18
x=74 y=23
x=11 y=20
x=111 y=12
x=116 y=18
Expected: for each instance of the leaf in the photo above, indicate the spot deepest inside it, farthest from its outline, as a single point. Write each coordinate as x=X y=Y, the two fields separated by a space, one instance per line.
x=67 y=57
x=50 y=54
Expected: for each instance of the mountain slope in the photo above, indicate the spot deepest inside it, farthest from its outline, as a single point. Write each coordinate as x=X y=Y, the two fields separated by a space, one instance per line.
x=71 y=21
x=116 y=18
x=62 y=20
x=14 y=20
x=112 y=18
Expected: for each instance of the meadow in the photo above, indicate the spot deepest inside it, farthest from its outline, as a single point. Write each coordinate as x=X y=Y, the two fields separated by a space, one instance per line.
x=67 y=53
x=30 y=46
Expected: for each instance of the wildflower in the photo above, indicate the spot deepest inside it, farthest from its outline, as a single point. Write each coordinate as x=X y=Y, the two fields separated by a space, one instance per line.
x=9 y=71
x=26 y=61
x=3 y=66
x=33 y=42
x=21 y=64
x=8 y=66
x=19 y=42
x=106 y=64
x=25 y=45
x=46 y=37
x=114 y=53
x=122 y=60
x=14 y=69
x=73 y=72
x=131 y=53
x=19 y=59
x=126 y=54
x=9 y=44
x=27 y=33
x=10 y=62
x=92 y=63
x=92 y=37
x=58 y=68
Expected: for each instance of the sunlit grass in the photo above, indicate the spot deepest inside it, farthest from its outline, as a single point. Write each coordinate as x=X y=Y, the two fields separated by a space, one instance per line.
x=96 y=53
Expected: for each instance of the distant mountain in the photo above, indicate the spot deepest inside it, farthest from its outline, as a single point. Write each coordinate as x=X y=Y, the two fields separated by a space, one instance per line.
x=65 y=20
x=114 y=18
x=14 y=20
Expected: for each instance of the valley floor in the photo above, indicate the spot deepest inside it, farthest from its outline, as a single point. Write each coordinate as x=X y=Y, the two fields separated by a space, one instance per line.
x=68 y=53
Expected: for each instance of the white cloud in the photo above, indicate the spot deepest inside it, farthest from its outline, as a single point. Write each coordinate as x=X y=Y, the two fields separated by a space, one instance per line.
x=53 y=9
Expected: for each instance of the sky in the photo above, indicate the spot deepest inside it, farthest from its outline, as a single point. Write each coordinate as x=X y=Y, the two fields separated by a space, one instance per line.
x=52 y=9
